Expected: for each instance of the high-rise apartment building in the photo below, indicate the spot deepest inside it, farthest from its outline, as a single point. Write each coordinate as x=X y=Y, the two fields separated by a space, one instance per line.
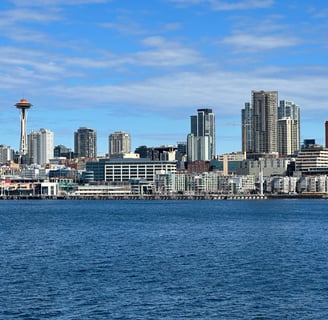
x=287 y=136
x=40 y=146
x=264 y=117
x=119 y=142
x=85 y=143
x=201 y=140
x=246 y=129
x=6 y=153
x=290 y=110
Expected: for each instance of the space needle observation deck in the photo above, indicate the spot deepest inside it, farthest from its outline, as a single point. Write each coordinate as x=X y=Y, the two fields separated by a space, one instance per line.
x=23 y=105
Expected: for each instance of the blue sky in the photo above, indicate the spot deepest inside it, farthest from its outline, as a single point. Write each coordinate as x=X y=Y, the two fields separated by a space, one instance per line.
x=145 y=66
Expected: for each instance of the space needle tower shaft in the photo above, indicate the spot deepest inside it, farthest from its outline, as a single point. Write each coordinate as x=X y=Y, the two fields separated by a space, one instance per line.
x=23 y=105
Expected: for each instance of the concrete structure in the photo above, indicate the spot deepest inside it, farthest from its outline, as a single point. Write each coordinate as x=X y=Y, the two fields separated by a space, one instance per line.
x=23 y=105
x=288 y=136
x=124 y=170
x=282 y=185
x=119 y=142
x=40 y=146
x=313 y=184
x=269 y=166
x=212 y=182
x=102 y=190
x=201 y=140
x=85 y=143
x=6 y=154
x=264 y=121
x=290 y=110
x=312 y=158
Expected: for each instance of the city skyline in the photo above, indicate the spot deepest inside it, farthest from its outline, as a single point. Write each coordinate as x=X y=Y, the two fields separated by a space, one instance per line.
x=143 y=67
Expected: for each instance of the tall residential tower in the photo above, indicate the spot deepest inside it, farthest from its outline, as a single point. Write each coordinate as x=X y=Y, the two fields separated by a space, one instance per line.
x=119 y=142
x=85 y=143
x=40 y=146
x=289 y=121
x=201 y=140
x=264 y=117
x=246 y=129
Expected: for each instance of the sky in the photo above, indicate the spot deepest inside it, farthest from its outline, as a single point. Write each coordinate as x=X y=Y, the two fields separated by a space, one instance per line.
x=145 y=66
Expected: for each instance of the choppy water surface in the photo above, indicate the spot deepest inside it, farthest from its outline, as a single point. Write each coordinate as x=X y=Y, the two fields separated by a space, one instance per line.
x=164 y=259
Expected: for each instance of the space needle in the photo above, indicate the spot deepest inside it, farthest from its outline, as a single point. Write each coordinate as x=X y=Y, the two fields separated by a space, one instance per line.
x=23 y=105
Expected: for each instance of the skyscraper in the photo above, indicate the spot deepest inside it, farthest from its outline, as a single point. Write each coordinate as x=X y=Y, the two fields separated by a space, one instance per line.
x=246 y=129
x=119 y=142
x=287 y=136
x=40 y=146
x=264 y=117
x=85 y=143
x=288 y=109
x=201 y=140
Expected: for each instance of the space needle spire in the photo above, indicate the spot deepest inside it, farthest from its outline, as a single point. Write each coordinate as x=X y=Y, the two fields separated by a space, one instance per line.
x=23 y=105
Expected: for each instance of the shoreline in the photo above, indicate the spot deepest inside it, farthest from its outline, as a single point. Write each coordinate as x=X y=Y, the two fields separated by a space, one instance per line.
x=169 y=197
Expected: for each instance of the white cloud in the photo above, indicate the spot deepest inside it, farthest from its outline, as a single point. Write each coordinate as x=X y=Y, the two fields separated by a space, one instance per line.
x=255 y=42
x=46 y=3
x=228 y=5
x=224 y=90
x=241 y=5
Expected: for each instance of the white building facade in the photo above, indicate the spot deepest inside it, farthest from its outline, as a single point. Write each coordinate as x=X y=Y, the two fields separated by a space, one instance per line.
x=40 y=146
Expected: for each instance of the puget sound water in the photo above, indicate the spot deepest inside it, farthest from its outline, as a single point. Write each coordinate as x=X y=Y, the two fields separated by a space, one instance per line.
x=262 y=259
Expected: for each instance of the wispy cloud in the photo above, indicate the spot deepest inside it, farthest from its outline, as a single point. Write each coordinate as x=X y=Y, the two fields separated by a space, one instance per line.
x=228 y=5
x=46 y=3
x=253 y=43
x=28 y=16
x=126 y=26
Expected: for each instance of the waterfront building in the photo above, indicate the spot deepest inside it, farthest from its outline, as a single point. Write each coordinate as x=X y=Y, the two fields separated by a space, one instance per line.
x=264 y=121
x=40 y=146
x=164 y=183
x=85 y=143
x=313 y=184
x=124 y=170
x=201 y=140
x=119 y=142
x=179 y=182
x=268 y=166
x=282 y=185
x=312 y=159
x=99 y=191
